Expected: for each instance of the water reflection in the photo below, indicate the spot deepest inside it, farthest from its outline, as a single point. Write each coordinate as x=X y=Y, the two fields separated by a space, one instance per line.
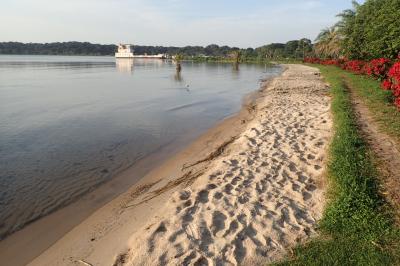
x=124 y=65
x=235 y=71
x=150 y=63
x=178 y=77
x=63 y=65
x=69 y=124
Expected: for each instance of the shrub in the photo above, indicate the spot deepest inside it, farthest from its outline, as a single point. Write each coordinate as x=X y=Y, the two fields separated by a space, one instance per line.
x=377 y=68
x=394 y=72
x=380 y=68
x=386 y=85
x=355 y=66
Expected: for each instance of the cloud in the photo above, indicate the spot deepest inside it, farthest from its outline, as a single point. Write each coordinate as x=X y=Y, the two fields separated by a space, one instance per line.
x=165 y=22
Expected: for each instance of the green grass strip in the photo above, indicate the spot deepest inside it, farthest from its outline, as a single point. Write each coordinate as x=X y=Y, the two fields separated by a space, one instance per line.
x=355 y=229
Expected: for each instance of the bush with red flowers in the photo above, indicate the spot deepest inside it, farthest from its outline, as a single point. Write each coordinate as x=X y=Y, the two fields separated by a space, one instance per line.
x=382 y=69
x=394 y=79
x=394 y=72
x=377 y=68
x=355 y=66
x=386 y=85
x=312 y=60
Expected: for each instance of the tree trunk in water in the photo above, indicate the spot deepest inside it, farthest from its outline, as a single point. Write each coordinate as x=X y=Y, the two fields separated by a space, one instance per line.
x=178 y=67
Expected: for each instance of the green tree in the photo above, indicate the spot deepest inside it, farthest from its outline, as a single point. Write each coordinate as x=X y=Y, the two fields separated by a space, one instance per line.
x=178 y=59
x=236 y=56
x=371 y=30
x=304 y=48
x=329 y=43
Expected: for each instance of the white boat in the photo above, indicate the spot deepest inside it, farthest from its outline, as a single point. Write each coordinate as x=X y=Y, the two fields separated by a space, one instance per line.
x=125 y=51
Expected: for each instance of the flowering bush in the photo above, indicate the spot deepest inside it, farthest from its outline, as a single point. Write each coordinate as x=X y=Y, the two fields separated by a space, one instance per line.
x=355 y=66
x=394 y=72
x=394 y=79
x=312 y=60
x=397 y=101
x=331 y=62
x=396 y=91
x=327 y=62
x=380 y=68
x=386 y=85
x=377 y=68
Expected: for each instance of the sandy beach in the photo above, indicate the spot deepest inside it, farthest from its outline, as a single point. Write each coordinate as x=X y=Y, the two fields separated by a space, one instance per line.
x=244 y=193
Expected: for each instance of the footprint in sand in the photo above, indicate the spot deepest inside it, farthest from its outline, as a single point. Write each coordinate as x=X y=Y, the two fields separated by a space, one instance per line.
x=258 y=199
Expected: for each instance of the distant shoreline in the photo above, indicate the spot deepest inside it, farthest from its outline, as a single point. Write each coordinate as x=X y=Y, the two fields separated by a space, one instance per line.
x=295 y=49
x=197 y=60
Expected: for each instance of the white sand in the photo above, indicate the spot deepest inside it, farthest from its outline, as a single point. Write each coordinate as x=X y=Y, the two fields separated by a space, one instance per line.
x=260 y=194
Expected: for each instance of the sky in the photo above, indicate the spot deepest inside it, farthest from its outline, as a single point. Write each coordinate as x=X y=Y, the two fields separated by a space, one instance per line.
x=240 y=23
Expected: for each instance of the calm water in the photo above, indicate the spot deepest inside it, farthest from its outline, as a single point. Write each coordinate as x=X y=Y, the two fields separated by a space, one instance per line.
x=68 y=124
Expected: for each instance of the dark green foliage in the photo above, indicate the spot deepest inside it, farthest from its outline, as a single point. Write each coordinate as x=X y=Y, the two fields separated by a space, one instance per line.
x=57 y=48
x=355 y=229
x=293 y=49
x=371 y=30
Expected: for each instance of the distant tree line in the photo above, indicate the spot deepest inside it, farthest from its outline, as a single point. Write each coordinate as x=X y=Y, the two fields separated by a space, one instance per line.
x=56 y=48
x=291 y=49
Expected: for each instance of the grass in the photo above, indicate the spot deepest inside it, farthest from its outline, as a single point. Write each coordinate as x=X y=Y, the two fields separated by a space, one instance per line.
x=355 y=229
x=378 y=101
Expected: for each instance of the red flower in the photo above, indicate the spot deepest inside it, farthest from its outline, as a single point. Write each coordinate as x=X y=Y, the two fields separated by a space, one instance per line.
x=312 y=60
x=377 y=68
x=368 y=69
x=394 y=72
x=386 y=85
x=397 y=102
x=356 y=66
x=396 y=90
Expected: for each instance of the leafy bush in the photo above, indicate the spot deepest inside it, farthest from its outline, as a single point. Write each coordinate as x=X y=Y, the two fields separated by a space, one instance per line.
x=372 y=30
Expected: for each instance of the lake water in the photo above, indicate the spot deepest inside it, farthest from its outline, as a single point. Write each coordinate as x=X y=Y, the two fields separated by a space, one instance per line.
x=69 y=124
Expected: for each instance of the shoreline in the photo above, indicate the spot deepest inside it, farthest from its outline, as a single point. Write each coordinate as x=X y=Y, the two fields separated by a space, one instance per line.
x=248 y=202
x=79 y=240
x=244 y=194
x=67 y=218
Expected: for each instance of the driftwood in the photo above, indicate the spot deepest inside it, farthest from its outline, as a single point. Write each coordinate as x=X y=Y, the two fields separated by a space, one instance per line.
x=187 y=179
x=212 y=155
x=84 y=262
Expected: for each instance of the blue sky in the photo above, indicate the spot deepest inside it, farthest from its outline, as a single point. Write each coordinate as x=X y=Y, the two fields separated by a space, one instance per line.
x=249 y=23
